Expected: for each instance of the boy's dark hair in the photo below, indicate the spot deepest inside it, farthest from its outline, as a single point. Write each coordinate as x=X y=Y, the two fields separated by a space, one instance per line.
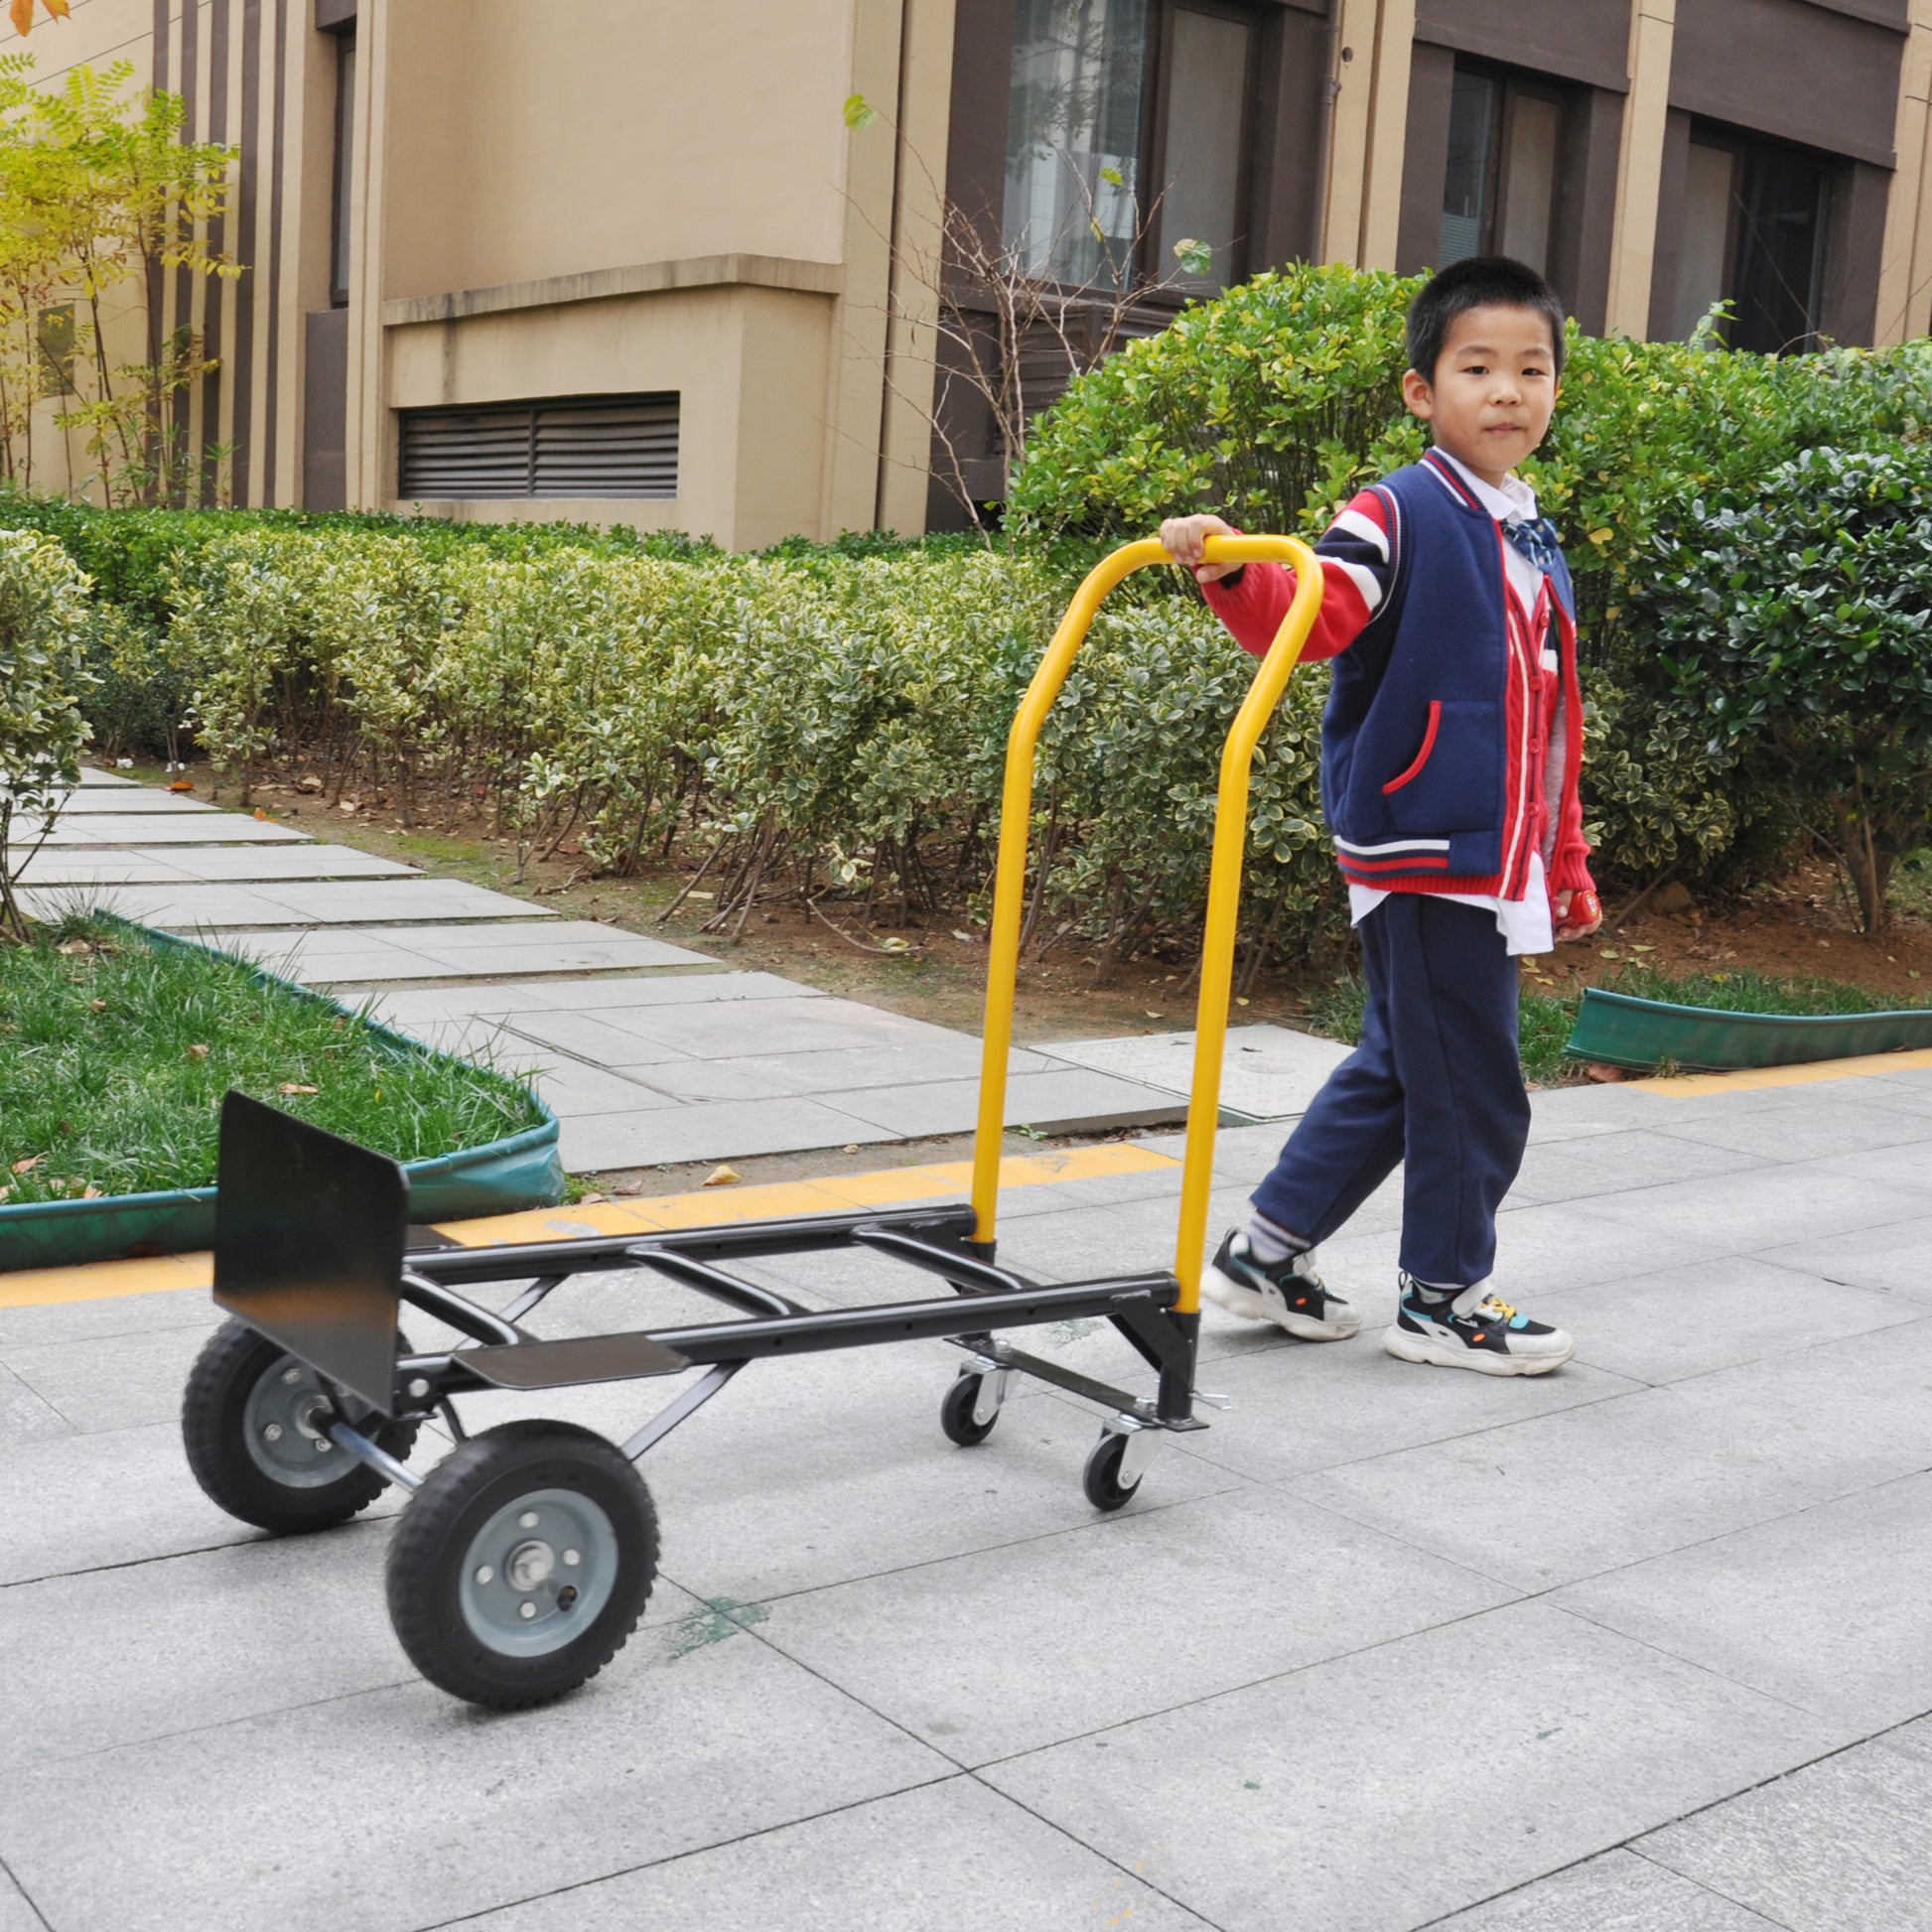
x=1478 y=282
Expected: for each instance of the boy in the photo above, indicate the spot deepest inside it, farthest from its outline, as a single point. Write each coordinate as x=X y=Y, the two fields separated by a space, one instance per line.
x=1449 y=755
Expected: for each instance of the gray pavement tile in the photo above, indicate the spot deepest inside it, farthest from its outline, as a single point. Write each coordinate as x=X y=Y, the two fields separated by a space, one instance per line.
x=575 y=1091
x=275 y=864
x=1618 y=1892
x=1840 y=1843
x=671 y=1748
x=1914 y=1738
x=561 y=934
x=1907 y=1165
x=951 y=1854
x=803 y=1024
x=677 y=1077
x=473 y=951
x=1269 y=1072
x=707 y=983
x=94 y=774
x=160 y=828
x=592 y=1038
x=1073 y=1102
x=94 y=799
x=1714 y=1315
x=148 y=1649
x=1070 y=1634
x=1768 y=1208
x=25 y=1415
x=760 y=1075
x=1613 y=1164
x=830 y=1467
x=1896 y=1256
x=1559 y=1497
x=118 y=1314
x=17 y=1914
x=1819 y=1121
x=1320 y=1406
x=406 y=901
x=707 y=1131
x=71 y=866
x=1830 y=1609
x=114 y=1381
x=1279 y=1807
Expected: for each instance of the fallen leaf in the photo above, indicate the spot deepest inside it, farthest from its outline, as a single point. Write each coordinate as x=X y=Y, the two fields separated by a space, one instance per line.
x=721 y=1178
x=183 y=784
x=98 y=1006
x=965 y=939
x=1610 y=952
x=895 y=945
x=307 y=783
x=1599 y=1070
x=259 y=813
x=1634 y=947
x=851 y=1147
x=197 y=1053
x=28 y=1166
x=350 y=806
x=1240 y=1002
x=296 y=1086
x=701 y=896
x=90 y=1193
x=1150 y=1014
x=592 y=1200
x=74 y=948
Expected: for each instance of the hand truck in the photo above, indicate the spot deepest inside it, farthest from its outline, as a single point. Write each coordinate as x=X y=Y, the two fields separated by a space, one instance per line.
x=523 y=1559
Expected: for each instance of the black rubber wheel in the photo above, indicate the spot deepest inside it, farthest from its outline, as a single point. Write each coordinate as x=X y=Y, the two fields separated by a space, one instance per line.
x=522 y=1564
x=1101 y=1477
x=247 y=1419
x=956 y=1413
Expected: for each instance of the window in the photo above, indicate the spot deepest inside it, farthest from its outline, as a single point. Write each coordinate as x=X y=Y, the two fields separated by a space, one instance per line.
x=555 y=447
x=1752 y=233
x=1505 y=146
x=344 y=169
x=1117 y=105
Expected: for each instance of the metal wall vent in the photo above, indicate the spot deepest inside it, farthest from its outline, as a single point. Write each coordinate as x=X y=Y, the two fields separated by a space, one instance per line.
x=558 y=446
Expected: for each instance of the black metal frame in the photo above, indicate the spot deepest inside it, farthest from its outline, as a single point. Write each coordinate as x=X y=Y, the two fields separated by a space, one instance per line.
x=287 y=1188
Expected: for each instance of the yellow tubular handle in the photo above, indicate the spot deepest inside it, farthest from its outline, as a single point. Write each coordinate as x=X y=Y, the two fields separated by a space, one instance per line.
x=1224 y=885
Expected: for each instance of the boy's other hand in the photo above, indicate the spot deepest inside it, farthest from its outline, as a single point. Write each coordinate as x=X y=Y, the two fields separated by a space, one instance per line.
x=1185 y=538
x=1579 y=915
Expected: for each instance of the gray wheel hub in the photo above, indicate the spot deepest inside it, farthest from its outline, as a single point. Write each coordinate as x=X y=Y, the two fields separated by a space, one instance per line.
x=284 y=1424
x=538 y=1572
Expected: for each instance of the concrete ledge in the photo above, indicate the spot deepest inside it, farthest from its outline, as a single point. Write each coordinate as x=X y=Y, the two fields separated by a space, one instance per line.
x=600 y=284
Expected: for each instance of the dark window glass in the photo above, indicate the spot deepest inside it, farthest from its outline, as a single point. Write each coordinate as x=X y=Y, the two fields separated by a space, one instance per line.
x=343 y=167
x=1471 y=146
x=1202 y=153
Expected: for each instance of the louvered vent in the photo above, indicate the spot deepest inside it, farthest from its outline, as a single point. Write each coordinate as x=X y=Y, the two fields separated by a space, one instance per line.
x=560 y=446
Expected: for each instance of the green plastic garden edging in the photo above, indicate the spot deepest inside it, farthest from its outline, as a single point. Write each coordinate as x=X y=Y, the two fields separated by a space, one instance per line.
x=522 y=1169
x=1622 y=1031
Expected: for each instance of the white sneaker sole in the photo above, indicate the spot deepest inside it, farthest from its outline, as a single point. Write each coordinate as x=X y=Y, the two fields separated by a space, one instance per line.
x=1226 y=1293
x=1406 y=1348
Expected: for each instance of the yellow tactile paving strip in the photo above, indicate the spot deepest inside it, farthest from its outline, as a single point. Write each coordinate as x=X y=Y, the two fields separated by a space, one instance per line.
x=712 y=1206
x=1686 y=1086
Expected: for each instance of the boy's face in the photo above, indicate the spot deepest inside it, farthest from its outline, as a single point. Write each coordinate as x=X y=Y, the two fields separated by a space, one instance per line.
x=1493 y=390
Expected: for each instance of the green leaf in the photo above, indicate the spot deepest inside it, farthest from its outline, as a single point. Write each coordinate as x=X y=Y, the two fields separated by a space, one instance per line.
x=859 y=112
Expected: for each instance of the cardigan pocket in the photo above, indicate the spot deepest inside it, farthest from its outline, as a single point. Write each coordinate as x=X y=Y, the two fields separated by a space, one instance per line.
x=1454 y=780
x=1421 y=757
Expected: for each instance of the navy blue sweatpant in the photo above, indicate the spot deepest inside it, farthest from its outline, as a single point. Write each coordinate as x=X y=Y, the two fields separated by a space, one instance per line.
x=1436 y=1083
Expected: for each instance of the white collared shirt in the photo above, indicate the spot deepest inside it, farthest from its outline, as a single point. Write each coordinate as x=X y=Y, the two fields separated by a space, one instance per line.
x=1524 y=922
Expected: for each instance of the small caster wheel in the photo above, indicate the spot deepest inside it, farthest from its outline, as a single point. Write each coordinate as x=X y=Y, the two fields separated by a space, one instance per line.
x=522 y=1564
x=252 y=1421
x=956 y=1415
x=1101 y=1477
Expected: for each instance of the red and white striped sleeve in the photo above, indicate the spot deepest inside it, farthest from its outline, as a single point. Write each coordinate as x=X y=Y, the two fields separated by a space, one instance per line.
x=1358 y=561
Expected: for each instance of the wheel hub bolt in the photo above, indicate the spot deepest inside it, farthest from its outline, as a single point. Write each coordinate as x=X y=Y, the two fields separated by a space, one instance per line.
x=529 y=1610
x=527 y=1521
x=291 y=1376
x=419 y=1388
x=572 y=1557
x=273 y=1432
x=322 y=1444
x=529 y=1564
x=484 y=1574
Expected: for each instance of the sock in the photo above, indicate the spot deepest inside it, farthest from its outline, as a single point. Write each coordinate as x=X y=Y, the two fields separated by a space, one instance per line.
x=1269 y=1242
x=1432 y=1294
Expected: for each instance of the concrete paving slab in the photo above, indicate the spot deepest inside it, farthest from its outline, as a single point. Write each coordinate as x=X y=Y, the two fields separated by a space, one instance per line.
x=94 y=774
x=1896 y=1257
x=168 y=829
x=1319 y=1775
x=1821 y=1122
x=273 y=863
x=1840 y=1843
x=656 y=1136
x=25 y=1415
x=1618 y=1892
x=1073 y=1102
x=1560 y=1497
x=566 y=947
x=1615 y=1163
x=367 y=956
x=758 y=1076
x=18 y=1915
x=518 y=997
x=672 y=1748
x=146 y=1650
x=127 y=798
x=590 y=1036
x=1900 y=1166
x=1119 y=1618
x=950 y=1854
x=1830 y=1608
x=820 y=1024
x=411 y=902
x=1761 y=1209
x=72 y=864
x=118 y=1314
x=113 y=1382
x=1267 y=1073
x=1685 y=1321
x=573 y=1091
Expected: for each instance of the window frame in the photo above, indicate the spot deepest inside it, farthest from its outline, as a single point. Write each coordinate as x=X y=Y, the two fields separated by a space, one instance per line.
x=1512 y=85
x=342 y=164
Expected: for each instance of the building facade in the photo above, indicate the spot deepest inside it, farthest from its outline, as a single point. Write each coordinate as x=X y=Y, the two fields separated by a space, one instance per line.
x=680 y=267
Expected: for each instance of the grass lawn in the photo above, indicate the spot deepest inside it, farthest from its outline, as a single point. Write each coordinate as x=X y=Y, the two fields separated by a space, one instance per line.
x=1544 y=1019
x=114 y=1056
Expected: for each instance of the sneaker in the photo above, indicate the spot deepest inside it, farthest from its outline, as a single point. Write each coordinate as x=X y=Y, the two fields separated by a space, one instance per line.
x=1488 y=1336
x=1287 y=1293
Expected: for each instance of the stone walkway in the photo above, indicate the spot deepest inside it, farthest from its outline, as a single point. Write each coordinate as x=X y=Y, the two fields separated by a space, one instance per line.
x=1642 y=1646
x=649 y=1053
